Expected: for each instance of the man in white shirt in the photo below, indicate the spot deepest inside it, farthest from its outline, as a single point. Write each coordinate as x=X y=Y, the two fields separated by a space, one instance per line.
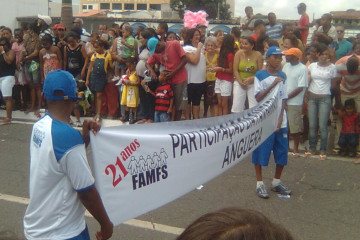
x=297 y=82
x=61 y=184
x=247 y=25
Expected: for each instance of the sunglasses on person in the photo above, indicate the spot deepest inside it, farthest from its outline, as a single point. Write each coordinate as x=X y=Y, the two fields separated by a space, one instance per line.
x=340 y=31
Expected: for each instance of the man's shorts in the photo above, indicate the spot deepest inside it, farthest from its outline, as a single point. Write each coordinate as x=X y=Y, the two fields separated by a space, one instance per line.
x=6 y=85
x=180 y=95
x=223 y=87
x=276 y=142
x=84 y=235
x=294 y=118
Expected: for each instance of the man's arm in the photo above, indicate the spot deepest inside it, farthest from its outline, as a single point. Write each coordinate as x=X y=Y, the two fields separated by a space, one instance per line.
x=180 y=66
x=41 y=61
x=335 y=87
x=152 y=71
x=90 y=198
x=59 y=57
x=263 y=94
x=171 y=105
x=89 y=125
x=283 y=106
x=295 y=92
x=194 y=58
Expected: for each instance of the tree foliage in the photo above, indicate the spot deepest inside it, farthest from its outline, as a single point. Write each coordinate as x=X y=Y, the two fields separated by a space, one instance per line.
x=211 y=7
x=224 y=13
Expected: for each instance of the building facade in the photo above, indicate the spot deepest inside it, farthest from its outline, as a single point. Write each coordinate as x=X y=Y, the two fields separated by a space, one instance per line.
x=122 y=5
x=349 y=18
x=11 y=9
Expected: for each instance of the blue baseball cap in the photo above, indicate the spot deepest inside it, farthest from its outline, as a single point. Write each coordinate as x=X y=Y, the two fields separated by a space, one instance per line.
x=60 y=80
x=151 y=44
x=274 y=50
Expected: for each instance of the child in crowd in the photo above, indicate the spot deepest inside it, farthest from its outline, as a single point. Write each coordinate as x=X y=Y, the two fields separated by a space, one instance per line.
x=89 y=46
x=164 y=99
x=96 y=77
x=130 y=94
x=224 y=74
x=81 y=106
x=211 y=57
x=123 y=48
x=349 y=136
x=161 y=30
x=264 y=82
x=50 y=57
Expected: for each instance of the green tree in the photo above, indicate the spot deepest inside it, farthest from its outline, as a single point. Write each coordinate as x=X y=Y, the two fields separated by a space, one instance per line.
x=224 y=13
x=67 y=13
x=211 y=7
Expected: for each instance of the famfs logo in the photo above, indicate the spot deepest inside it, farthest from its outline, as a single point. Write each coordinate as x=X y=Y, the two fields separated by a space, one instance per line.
x=144 y=171
x=150 y=170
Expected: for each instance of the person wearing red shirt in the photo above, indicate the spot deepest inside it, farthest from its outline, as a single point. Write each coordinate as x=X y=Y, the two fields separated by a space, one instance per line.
x=349 y=136
x=303 y=24
x=164 y=98
x=171 y=55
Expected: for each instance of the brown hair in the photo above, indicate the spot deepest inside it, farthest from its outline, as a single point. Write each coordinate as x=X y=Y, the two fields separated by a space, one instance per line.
x=293 y=39
x=234 y=223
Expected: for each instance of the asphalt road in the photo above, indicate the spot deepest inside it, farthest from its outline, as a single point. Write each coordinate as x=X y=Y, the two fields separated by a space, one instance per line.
x=324 y=204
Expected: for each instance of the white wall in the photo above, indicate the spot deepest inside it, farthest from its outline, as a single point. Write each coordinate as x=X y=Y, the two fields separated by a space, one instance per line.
x=21 y=8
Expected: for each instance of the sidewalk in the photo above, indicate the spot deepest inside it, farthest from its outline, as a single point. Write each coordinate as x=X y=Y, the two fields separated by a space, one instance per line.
x=20 y=117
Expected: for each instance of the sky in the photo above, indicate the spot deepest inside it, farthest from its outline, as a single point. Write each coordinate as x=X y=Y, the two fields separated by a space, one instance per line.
x=286 y=9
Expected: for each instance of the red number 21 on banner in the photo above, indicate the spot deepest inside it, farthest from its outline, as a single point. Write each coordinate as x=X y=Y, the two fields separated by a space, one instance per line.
x=116 y=177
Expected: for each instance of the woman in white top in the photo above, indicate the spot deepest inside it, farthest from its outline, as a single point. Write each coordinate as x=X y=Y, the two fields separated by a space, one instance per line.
x=196 y=70
x=322 y=74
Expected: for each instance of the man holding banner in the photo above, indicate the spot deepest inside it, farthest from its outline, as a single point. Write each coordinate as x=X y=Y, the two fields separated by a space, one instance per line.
x=61 y=183
x=265 y=81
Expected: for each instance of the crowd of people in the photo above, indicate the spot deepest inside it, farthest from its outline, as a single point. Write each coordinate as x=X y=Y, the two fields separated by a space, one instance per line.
x=147 y=75
x=153 y=75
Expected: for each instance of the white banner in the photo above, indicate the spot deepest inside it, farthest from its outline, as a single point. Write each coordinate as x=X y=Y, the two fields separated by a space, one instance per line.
x=139 y=168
